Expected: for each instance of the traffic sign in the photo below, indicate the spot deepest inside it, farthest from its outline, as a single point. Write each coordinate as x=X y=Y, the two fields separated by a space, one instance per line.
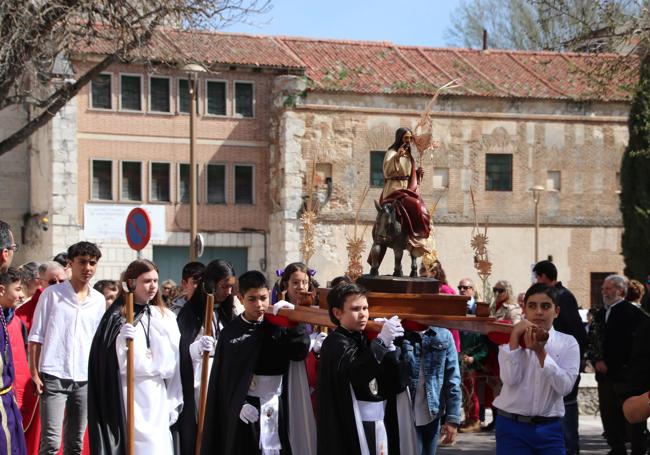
x=138 y=228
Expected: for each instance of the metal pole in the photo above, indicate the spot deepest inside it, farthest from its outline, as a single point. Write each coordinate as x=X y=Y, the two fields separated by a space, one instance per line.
x=536 y=228
x=193 y=208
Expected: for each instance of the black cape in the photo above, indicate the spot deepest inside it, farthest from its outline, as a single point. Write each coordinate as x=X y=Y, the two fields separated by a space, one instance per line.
x=106 y=415
x=346 y=359
x=245 y=349
x=190 y=320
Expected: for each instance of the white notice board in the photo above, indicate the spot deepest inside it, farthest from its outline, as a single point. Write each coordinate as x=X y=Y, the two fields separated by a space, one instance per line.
x=107 y=221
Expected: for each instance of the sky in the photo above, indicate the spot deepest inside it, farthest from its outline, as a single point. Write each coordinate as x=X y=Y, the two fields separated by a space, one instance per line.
x=421 y=23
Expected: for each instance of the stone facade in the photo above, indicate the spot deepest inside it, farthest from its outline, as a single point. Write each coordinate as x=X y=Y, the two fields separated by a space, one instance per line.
x=580 y=224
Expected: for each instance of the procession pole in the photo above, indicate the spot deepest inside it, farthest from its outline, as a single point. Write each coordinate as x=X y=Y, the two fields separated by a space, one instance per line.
x=207 y=325
x=130 y=386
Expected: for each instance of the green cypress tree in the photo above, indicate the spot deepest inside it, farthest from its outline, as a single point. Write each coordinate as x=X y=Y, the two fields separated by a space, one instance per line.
x=635 y=181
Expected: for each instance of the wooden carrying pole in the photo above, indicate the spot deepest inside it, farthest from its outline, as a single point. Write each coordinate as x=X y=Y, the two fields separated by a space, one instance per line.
x=130 y=385
x=207 y=329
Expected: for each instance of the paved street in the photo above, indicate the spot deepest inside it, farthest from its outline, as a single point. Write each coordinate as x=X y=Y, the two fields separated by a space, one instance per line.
x=591 y=441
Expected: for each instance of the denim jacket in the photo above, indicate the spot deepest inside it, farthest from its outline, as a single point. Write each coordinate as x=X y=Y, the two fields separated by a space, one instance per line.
x=441 y=370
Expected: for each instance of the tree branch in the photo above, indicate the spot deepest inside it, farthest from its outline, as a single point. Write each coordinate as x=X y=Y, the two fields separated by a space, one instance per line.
x=66 y=92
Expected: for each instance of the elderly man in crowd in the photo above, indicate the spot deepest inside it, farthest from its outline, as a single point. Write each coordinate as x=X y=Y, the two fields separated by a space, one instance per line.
x=610 y=351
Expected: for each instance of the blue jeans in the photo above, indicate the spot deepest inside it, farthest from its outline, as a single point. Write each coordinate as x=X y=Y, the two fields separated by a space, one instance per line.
x=428 y=437
x=570 y=429
x=529 y=439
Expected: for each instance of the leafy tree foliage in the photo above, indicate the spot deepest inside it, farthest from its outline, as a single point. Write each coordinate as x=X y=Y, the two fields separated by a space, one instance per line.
x=635 y=182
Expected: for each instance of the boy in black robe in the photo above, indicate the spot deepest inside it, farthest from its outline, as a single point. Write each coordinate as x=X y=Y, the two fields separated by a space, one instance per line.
x=359 y=382
x=247 y=407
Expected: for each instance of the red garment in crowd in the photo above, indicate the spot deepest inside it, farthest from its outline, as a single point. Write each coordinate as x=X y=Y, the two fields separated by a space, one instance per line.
x=446 y=289
x=26 y=396
x=470 y=397
x=25 y=312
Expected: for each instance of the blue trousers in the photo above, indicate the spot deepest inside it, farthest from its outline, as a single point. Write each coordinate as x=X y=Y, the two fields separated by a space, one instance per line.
x=570 y=428
x=529 y=439
x=428 y=437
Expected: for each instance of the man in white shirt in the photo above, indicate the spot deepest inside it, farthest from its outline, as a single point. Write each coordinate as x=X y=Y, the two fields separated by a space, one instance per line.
x=65 y=321
x=535 y=379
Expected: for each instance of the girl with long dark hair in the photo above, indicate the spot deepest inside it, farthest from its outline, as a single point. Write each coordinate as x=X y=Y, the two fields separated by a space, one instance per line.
x=218 y=279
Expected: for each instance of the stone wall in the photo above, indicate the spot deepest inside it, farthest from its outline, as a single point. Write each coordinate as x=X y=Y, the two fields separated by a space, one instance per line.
x=580 y=223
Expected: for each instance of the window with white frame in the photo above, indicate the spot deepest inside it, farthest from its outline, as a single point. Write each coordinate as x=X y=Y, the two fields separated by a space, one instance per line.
x=160 y=178
x=244 y=99
x=102 y=180
x=184 y=183
x=216 y=184
x=159 y=93
x=131 y=181
x=244 y=184
x=100 y=92
x=215 y=97
x=184 y=96
x=130 y=92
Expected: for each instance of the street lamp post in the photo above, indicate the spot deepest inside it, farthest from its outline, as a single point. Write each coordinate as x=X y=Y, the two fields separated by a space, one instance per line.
x=192 y=70
x=537 y=193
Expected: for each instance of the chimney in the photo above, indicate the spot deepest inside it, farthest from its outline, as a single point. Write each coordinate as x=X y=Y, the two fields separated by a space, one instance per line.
x=485 y=43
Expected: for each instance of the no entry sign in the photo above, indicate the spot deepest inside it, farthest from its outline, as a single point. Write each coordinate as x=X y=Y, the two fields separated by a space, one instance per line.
x=138 y=229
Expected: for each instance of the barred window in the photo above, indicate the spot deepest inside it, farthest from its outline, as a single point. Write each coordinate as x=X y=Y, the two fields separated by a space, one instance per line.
x=498 y=172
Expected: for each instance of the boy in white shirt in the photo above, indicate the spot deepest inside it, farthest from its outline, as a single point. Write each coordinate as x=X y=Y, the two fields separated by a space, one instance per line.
x=535 y=379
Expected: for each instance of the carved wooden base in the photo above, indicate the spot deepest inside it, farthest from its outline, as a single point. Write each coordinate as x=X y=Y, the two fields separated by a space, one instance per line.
x=399 y=285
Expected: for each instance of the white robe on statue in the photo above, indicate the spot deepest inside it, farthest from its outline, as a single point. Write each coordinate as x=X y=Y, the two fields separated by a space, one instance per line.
x=158 y=391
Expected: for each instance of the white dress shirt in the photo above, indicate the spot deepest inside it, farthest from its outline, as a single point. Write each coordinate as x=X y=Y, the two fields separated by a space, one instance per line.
x=66 y=328
x=531 y=390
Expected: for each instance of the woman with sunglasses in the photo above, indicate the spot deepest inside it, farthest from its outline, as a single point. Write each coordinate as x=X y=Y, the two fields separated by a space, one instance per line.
x=504 y=307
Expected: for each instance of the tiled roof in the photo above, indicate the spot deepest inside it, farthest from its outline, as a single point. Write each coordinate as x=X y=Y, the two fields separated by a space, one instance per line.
x=386 y=68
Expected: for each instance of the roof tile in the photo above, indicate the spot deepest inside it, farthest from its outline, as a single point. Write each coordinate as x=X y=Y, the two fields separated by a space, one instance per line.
x=385 y=68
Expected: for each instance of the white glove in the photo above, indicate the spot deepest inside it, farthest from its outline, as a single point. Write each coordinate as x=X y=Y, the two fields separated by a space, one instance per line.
x=203 y=344
x=392 y=329
x=249 y=413
x=127 y=332
x=173 y=417
x=282 y=304
x=317 y=341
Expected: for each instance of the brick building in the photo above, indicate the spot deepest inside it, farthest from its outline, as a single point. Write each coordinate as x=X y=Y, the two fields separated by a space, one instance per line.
x=271 y=106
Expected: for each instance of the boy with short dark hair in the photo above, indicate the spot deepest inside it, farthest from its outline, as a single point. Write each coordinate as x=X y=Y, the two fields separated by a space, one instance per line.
x=248 y=397
x=12 y=379
x=360 y=383
x=65 y=319
x=535 y=379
